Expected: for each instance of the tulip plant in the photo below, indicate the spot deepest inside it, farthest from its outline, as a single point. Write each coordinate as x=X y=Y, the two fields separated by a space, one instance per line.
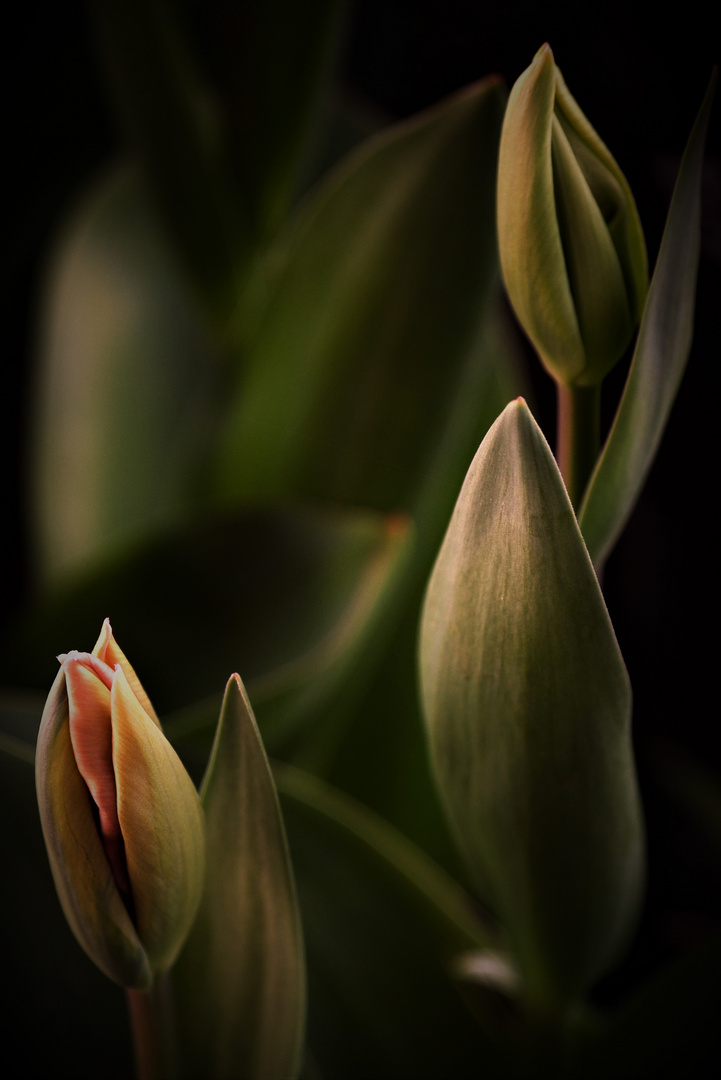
x=298 y=447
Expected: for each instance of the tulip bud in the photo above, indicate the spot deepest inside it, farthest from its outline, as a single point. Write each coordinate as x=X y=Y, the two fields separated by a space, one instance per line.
x=571 y=244
x=528 y=707
x=122 y=820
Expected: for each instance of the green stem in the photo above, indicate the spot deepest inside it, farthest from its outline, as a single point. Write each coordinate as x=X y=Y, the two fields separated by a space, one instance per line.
x=579 y=436
x=151 y=1022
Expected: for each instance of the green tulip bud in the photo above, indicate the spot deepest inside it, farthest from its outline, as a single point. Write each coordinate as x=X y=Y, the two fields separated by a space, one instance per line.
x=122 y=821
x=528 y=708
x=571 y=244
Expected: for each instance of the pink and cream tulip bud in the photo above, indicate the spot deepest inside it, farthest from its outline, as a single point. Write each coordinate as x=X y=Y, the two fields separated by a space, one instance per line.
x=122 y=821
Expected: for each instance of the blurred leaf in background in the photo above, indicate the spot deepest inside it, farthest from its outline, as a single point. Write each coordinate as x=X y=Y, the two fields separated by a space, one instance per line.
x=367 y=365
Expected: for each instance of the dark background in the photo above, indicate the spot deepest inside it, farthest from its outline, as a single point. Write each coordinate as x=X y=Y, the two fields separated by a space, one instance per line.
x=640 y=76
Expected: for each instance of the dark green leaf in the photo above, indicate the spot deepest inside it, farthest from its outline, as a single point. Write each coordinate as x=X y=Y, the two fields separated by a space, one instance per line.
x=381 y=1001
x=285 y=595
x=167 y=113
x=283 y=54
x=446 y=907
x=375 y=298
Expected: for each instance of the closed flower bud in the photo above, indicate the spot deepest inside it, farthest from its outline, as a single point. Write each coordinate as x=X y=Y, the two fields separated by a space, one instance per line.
x=528 y=708
x=571 y=244
x=122 y=820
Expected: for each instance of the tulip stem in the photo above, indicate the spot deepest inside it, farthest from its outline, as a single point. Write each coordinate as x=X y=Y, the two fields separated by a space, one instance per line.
x=151 y=1024
x=144 y=1041
x=578 y=436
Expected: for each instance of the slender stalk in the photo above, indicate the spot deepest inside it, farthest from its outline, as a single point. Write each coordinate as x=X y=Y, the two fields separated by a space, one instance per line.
x=578 y=437
x=154 y=1036
x=145 y=1043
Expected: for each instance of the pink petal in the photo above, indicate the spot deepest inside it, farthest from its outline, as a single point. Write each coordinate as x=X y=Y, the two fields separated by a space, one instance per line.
x=88 y=682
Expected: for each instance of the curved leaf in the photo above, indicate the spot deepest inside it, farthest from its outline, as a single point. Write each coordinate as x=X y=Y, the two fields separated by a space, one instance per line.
x=287 y=593
x=240 y=980
x=381 y=923
x=443 y=903
x=126 y=386
x=662 y=349
x=375 y=299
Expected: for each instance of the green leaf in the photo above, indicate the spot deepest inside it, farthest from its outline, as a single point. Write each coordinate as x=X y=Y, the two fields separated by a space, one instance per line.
x=445 y=906
x=528 y=705
x=286 y=594
x=167 y=114
x=383 y=705
x=662 y=349
x=381 y=924
x=373 y=300
x=127 y=384
x=275 y=87
x=240 y=980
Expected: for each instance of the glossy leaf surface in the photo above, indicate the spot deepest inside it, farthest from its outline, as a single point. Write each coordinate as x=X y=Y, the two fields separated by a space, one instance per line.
x=528 y=704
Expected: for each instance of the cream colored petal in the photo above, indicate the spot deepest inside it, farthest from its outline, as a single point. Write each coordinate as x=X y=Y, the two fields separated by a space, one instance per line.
x=107 y=648
x=85 y=884
x=162 y=823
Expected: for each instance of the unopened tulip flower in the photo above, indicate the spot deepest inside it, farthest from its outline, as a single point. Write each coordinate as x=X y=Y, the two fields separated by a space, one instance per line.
x=571 y=244
x=122 y=820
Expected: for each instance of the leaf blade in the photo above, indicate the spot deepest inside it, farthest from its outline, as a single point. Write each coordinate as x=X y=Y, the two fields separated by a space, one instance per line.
x=240 y=980
x=659 y=360
x=345 y=388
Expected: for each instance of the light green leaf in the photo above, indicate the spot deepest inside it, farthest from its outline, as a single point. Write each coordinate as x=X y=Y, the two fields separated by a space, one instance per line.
x=126 y=387
x=528 y=705
x=240 y=980
x=371 y=308
x=662 y=349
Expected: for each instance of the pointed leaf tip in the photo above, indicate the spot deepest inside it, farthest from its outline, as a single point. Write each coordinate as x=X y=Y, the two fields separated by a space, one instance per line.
x=527 y=706
x=241 y=978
